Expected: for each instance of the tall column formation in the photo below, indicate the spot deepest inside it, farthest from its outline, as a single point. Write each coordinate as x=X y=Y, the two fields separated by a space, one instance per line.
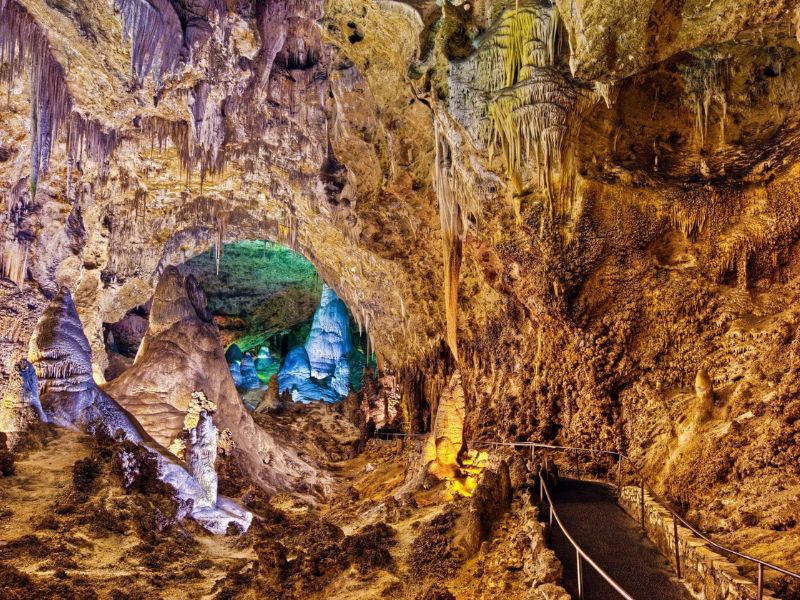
x=446 y=441
x=329 y=338
x=201 y=454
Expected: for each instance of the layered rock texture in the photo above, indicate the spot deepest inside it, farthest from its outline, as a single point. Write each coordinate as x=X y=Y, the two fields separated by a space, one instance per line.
x=182 y=354
x=61 y=356
x=588 y=210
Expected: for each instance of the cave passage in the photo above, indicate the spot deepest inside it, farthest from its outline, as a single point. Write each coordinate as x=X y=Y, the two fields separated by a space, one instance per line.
x=614 y=540
x=279 y=321
x=567 y=226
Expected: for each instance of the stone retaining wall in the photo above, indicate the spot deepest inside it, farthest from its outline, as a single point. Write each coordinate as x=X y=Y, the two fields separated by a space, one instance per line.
x=709 y=574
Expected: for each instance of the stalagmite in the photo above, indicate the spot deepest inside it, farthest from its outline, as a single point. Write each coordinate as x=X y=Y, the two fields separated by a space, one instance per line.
x=20 y=406
x=201 y=454
x=182 y=354
x=61 y=356
x=341 y=377
x=329 y=338
x=704 y=392
x=446 y=441
x=247 y=369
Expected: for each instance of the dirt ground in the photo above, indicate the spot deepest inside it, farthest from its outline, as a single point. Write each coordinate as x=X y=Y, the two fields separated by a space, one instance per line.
x=61 y=537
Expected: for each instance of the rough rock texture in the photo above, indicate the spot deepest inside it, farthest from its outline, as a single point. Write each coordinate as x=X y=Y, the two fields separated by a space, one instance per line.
x=182 y=354
x=20 y=406
x=490 y=499
x=329 y=339
x=247 y=369
x=61 y=355
x=201 y=454
x=446 y=442
x=580 y=205
x=319 y=370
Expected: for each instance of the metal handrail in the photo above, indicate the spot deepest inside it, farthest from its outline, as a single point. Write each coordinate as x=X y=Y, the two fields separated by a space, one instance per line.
x=580 y=553
x=762 y=564
x=676 y=517
x=390 y=434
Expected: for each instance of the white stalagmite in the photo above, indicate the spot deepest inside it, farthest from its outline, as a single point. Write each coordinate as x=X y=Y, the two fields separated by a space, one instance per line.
x=329 y=338
x=201 y=454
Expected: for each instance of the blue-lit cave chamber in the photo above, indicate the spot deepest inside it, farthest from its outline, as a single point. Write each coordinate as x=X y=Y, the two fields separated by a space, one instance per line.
x=287 y=335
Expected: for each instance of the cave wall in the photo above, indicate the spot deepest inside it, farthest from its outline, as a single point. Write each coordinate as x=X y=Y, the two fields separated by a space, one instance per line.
x=583 y=208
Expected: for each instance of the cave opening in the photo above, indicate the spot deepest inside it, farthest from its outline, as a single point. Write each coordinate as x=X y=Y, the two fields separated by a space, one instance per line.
x=284 y=331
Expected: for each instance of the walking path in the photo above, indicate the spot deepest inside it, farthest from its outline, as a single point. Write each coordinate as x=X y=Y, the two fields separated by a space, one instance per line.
x=615 y=541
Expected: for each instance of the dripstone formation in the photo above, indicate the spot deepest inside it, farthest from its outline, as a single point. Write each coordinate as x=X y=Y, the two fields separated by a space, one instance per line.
x=571 y=222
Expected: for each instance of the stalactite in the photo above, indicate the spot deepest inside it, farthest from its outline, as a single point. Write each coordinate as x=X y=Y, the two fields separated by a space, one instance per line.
x=607 y=92
x=15 y=261
x=705 y=83
x=219 y=237
x=510 y=93
x=155 y=33
x=531 y=119
x=23 y=42
x=457 y=204
x=524 y=35
x=209 y=159
x=287 y=232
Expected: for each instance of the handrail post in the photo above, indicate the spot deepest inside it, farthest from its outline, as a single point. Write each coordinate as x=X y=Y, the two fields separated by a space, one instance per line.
x=760 y=593
x=541 y=489
x=580 y=574
x=641 y=497
x=619 y=475
x=677 y=551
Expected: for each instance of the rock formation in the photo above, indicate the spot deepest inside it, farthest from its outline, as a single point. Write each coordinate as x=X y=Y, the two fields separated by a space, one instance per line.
x=295 y=378
x=201 y=454
x=235 y=369
x=61 y=355
x=20 y=406
x=704 y=391
x=182 y=354
x=340 y=381
x=329 y=338
x=573 y=205
x=446 y=441
x=247 y=368
x=320 y=369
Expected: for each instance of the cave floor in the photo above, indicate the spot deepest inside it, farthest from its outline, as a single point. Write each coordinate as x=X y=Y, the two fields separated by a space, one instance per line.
x=53 y=545
x=614 y=540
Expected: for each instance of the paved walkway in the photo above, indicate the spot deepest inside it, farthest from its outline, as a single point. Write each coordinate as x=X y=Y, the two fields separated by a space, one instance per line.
x=614 y=541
